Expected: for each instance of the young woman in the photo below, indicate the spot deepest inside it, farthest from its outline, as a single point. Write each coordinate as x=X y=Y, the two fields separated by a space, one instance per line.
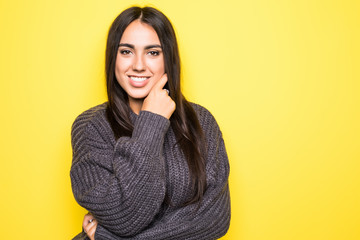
x=148 y=164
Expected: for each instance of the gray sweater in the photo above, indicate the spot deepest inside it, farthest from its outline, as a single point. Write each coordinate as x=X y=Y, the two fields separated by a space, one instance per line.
x=123 y=182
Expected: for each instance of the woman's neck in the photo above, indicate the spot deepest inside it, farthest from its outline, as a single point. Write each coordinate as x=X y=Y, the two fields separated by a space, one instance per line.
x=135 y=105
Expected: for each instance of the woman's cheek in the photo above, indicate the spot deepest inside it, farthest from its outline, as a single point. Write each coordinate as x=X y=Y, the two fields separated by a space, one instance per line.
x=156 y=66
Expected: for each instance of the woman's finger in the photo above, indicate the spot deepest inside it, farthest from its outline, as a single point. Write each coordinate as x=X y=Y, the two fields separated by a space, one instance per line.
x=161 y=83
x=91 y=229
x=90 y=225
x=87 y=219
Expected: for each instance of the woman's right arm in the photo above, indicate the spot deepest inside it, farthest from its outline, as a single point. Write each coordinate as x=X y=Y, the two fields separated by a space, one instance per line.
x=123 y=186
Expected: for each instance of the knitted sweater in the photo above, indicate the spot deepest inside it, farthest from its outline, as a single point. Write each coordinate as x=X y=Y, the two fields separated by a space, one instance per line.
x=123 y=182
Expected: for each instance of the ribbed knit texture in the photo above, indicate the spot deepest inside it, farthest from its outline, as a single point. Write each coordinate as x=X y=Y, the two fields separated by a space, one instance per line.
x=123 y=183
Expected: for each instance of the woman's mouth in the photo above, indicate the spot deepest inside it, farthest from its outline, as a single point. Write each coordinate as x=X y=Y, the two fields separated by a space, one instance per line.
x=138 y=81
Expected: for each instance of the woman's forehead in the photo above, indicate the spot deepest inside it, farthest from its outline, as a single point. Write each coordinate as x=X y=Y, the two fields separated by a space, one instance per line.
x=140 y=34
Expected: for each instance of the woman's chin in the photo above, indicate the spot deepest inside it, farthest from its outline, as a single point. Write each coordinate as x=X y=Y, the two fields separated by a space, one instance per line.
x=138 y=96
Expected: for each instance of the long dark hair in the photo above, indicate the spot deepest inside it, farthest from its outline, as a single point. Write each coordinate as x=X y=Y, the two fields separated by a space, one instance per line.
x=184 y=121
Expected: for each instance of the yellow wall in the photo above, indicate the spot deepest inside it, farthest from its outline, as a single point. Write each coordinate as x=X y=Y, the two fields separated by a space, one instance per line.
x=281 y=77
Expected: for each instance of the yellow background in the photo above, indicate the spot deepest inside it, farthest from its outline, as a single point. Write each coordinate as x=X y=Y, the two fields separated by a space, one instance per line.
x=281 y=77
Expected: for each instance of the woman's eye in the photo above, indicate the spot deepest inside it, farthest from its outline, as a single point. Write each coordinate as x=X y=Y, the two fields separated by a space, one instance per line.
x=125 y=52
x=154 y=53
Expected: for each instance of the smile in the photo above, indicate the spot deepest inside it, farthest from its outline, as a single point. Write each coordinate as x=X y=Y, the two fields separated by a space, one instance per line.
x=138 y=79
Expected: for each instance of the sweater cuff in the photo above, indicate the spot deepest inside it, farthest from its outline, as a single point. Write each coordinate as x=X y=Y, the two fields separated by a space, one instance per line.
x=150 y=128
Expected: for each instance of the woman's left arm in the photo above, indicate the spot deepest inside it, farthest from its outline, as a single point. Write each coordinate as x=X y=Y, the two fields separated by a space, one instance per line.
x=212 y=219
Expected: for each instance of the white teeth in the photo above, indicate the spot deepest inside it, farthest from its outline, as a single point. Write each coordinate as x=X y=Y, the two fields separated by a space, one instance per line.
x=138 y=79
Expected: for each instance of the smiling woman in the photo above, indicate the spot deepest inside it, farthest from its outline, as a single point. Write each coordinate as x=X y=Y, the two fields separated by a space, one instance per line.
x=148 y=164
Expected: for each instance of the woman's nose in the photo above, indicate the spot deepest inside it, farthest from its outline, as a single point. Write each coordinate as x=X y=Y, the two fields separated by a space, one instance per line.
x=139 y=64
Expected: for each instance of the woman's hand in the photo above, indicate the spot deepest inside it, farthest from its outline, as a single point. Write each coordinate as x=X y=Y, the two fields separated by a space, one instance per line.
x=158 y=101
x=89 y=225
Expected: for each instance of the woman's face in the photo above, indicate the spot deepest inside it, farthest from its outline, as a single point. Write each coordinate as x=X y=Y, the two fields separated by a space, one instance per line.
x=139 y=61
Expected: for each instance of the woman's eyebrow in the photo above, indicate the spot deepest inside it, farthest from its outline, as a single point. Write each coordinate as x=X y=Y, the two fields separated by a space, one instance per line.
x=152 y=46
x=126 y=45
x=133 y=47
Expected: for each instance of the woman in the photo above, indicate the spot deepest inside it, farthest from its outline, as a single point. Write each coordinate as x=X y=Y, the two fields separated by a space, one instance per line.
x=148 y=164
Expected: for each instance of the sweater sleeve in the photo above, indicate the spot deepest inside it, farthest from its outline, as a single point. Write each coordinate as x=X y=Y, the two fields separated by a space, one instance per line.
x=210 y=219
x=123 y=186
